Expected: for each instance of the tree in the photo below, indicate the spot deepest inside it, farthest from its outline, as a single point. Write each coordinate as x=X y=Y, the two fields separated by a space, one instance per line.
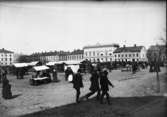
x=23 y=59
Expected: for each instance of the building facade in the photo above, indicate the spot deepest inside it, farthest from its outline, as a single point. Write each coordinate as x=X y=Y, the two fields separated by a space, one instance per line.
x=102 y=53
x=76 y=55
x=136 y=53
x=6 y=57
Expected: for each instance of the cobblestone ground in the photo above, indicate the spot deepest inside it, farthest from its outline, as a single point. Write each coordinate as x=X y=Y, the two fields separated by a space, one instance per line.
x=35 y=98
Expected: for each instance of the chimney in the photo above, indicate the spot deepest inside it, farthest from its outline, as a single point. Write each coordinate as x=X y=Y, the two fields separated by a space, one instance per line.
x=124 y=46
x=134 y=45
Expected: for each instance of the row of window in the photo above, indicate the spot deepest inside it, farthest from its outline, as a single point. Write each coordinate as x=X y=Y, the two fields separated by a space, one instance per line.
x=93 y=54
x=2 y=55
x=127 y=55
x=5 y=59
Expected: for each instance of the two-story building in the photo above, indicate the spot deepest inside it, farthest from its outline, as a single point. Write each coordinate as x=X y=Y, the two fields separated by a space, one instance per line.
x=103 y=53
x=6 y=57
x=136 y=53
x=76 y=55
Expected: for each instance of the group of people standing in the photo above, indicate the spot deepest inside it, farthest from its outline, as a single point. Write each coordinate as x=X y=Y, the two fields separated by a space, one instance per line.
x=99 y=84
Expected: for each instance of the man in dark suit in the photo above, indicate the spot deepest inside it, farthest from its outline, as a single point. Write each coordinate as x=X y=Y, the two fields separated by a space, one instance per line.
x=104 y=82
x=77 y=84
x=94 y=87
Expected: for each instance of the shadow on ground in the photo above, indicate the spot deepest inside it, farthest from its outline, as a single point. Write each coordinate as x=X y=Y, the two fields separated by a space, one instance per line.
x=120 y=107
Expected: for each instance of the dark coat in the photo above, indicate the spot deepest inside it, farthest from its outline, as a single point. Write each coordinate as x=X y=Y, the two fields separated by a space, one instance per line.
x=94 y=82
x=77 y=81
x=104 y=82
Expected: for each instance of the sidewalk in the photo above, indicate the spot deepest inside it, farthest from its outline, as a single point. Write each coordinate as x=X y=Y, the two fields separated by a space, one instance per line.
x=157 y=108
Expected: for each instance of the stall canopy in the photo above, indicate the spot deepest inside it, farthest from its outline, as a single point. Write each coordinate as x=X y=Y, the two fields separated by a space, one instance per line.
x=33 y=63
x=18 y=65
x=40 y=68
x=55 y=62
x=72 y=62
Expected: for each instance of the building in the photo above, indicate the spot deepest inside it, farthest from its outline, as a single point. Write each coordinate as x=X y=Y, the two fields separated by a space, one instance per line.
x=49 y=57
x=136 y=53
x=76 y=55
x=103 y=53
x=6 y=57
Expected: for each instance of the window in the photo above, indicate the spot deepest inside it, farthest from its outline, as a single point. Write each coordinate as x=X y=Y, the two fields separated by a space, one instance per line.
x=110 y=54
x=125 y=55
x=1 y=59
x=5 y=59
x=85 y=53
x=122 y=55
x=137 y=54
x=115 y=55
x=89 y=53
x=10 y=59
x=118 y=55
x=129 y=55
x=93 y=53
x=101 y=54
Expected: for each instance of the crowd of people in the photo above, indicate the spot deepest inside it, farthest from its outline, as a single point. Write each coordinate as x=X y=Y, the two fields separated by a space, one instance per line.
x=99 y=84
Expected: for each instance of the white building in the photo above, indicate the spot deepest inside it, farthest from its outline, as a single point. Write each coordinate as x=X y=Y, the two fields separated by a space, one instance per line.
x=6 y=57
x=76 y=55
x=136 y=53
x=103 y=53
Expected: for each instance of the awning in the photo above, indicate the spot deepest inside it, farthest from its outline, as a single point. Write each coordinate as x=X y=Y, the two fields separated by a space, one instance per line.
x=18 y=65
x=40 y=68
x=32 y=63
x=72 y=62
x=55 y=62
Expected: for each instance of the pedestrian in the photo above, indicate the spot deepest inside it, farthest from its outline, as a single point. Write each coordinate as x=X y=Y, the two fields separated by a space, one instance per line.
x=6 y=88
x=68 y=72
x=104 y=83
x=77 y=84
x=55 y=75
x=94 y=87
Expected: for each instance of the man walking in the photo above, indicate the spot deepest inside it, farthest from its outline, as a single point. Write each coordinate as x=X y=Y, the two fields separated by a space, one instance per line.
x=94 y=87
x=77 y=84
x=104 y=82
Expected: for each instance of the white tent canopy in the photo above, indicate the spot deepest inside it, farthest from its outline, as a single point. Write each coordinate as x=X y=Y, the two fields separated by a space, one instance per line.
x=72 y=62
x=18 y=65
x=33 y=63
x=55 y=62
x=40 y=68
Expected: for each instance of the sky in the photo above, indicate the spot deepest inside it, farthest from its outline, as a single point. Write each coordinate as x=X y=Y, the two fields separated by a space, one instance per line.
x=27 y=27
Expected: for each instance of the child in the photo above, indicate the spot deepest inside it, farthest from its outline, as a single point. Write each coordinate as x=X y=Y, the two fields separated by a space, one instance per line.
x=104 y=82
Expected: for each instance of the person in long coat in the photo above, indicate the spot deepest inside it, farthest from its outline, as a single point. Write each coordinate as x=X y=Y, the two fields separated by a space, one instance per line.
x=94 y=87
x=104 y=83
x=6 y=89
x=77 y=84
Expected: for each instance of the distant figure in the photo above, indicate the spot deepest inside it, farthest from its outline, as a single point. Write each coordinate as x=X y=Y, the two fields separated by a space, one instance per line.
x=68 y=72
x=6 y=89
x=104 y=82
x=134 y=67
x=94 y=85
x=55 y=75
x=77 y=84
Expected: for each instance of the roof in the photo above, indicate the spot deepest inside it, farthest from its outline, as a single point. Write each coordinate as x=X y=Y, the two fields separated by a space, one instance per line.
x=18 y=65
x=5 y=51
x=128 y=49
x=40 y=68
x=100 y=46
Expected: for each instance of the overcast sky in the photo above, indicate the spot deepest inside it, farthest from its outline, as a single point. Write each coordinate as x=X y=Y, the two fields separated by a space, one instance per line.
x=29 y=27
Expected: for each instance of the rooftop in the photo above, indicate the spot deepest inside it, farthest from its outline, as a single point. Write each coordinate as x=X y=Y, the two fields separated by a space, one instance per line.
x=5 y=51
x=129 y=49
x=100 y=46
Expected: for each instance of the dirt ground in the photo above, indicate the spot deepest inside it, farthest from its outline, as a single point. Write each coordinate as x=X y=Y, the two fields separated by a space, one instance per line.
x=131 y=92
